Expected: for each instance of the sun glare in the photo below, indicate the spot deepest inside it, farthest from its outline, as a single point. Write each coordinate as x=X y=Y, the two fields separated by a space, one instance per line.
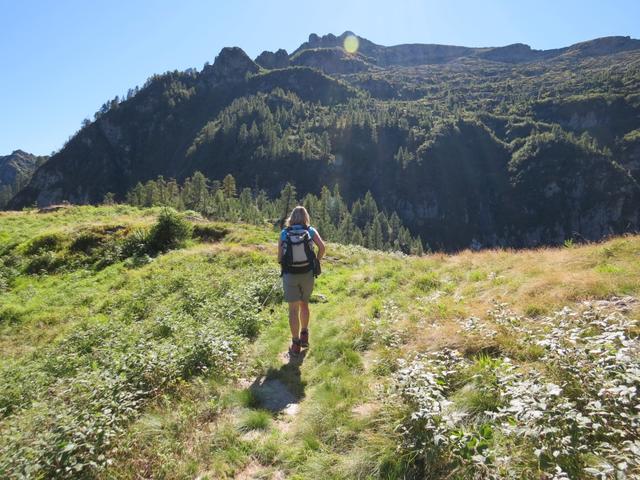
x=351 y=44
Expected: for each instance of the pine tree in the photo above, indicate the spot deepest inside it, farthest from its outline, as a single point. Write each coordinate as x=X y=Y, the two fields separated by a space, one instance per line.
x=243 y=134
x=416 y=247
x=346 y=229
x=357 y=238
x=229 y=186
x=286 y=202
x=325 y=145
x=369 y=208
x=136 y=195
x=375 y=239
x=109 y=198
x=200 y=191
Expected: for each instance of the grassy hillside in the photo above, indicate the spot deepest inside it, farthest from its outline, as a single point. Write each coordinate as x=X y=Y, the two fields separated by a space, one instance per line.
x=121 y=361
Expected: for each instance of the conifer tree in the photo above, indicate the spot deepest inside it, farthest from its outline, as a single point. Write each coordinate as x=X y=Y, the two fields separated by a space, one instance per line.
x=229 y=186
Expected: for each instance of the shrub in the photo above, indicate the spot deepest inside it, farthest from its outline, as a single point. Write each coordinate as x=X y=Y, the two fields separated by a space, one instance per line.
x=170 y=232
x=46 y=262
x=136 y=243
x=86 y=242
x=48 y=242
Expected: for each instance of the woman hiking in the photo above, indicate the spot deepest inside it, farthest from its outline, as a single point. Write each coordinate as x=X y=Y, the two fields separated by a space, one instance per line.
x=300 y=264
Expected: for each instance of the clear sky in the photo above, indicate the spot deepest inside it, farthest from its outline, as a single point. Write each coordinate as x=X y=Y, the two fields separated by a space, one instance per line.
x=60 y=60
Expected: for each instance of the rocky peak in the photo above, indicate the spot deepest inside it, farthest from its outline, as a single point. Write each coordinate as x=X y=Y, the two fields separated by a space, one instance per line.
x=19 y=164
x=326 y=41
x=514 y=53
x=604 y=46
x=231 y=64
x=21 y=153
x=271 y=60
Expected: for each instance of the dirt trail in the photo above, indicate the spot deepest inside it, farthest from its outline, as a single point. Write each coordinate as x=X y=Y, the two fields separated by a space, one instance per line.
x=279 y=391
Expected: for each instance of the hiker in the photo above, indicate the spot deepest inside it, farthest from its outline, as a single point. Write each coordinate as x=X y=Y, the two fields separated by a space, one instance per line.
x=300 y=265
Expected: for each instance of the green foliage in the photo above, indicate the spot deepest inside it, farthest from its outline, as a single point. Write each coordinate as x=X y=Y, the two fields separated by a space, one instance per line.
x=170 y=232
x=48 y=242
x=492 y=418
x=362 y=224
x=63 y=404
x=255 y=420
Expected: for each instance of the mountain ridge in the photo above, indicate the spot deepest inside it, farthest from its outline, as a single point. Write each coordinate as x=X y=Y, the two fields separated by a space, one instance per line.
x=420 y=53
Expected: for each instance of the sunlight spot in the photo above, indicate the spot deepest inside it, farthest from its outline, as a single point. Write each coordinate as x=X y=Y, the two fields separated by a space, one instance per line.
x=351 y=44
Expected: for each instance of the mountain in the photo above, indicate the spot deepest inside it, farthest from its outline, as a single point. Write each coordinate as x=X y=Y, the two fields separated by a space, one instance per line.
x=15 y=171
x=492 y=146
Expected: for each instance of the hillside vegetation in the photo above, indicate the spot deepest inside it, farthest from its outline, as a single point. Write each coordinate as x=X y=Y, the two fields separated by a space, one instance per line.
x=497 y=147
x=141 y=343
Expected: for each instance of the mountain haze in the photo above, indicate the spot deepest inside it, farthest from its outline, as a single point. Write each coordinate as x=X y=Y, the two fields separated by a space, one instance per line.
x=499 y=146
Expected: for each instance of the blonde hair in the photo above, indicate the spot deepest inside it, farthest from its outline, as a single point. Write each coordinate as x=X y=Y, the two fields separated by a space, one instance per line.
x=299 y=216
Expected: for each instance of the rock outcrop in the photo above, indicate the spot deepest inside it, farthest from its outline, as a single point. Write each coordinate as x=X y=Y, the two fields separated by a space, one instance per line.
x=331 y=60
x=231 y=65
x=271 y=60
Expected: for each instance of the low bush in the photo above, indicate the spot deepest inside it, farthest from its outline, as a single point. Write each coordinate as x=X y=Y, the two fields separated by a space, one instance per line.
x=170 y=231
x=48 y=242
x=573 y=414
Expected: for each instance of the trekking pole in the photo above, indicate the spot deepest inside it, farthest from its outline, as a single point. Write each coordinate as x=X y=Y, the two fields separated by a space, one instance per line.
x=270 y=292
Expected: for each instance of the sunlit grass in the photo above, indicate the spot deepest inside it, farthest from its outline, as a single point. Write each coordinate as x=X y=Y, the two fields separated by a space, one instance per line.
x=373 y=310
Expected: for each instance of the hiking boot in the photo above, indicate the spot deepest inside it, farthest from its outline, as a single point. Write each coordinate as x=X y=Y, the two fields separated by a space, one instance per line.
x=304 y=338
x=294 y=349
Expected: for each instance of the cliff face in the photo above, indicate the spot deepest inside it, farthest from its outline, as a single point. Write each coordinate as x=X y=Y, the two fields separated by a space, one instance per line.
x=471 y=146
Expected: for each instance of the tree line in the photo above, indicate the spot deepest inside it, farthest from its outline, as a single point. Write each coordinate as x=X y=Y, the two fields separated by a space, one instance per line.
x=362 y=223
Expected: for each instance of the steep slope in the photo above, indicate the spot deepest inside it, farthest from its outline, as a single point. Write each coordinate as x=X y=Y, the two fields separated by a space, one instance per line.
x=148 y=135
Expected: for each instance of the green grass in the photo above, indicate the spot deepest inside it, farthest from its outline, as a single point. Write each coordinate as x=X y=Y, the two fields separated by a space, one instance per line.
x=255 y=420
x=152 y=323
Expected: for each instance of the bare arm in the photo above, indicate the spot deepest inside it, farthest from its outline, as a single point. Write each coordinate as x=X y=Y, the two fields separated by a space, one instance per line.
x=317 y=239
x=279 y=251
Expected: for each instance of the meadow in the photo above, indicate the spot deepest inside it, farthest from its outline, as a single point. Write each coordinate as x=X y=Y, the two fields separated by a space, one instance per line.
x=141 y=343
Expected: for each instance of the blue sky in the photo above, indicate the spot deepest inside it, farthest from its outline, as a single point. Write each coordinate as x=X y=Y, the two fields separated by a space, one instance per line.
x=62 y=59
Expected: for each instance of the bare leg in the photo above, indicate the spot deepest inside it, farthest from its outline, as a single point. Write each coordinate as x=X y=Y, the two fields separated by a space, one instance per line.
x=304 y=315
x=294 y=321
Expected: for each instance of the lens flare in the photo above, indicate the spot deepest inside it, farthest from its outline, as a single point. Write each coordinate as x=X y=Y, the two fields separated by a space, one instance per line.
x=351 y=44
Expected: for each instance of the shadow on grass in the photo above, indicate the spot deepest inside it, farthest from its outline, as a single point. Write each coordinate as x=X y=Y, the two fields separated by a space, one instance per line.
x=280 y=388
